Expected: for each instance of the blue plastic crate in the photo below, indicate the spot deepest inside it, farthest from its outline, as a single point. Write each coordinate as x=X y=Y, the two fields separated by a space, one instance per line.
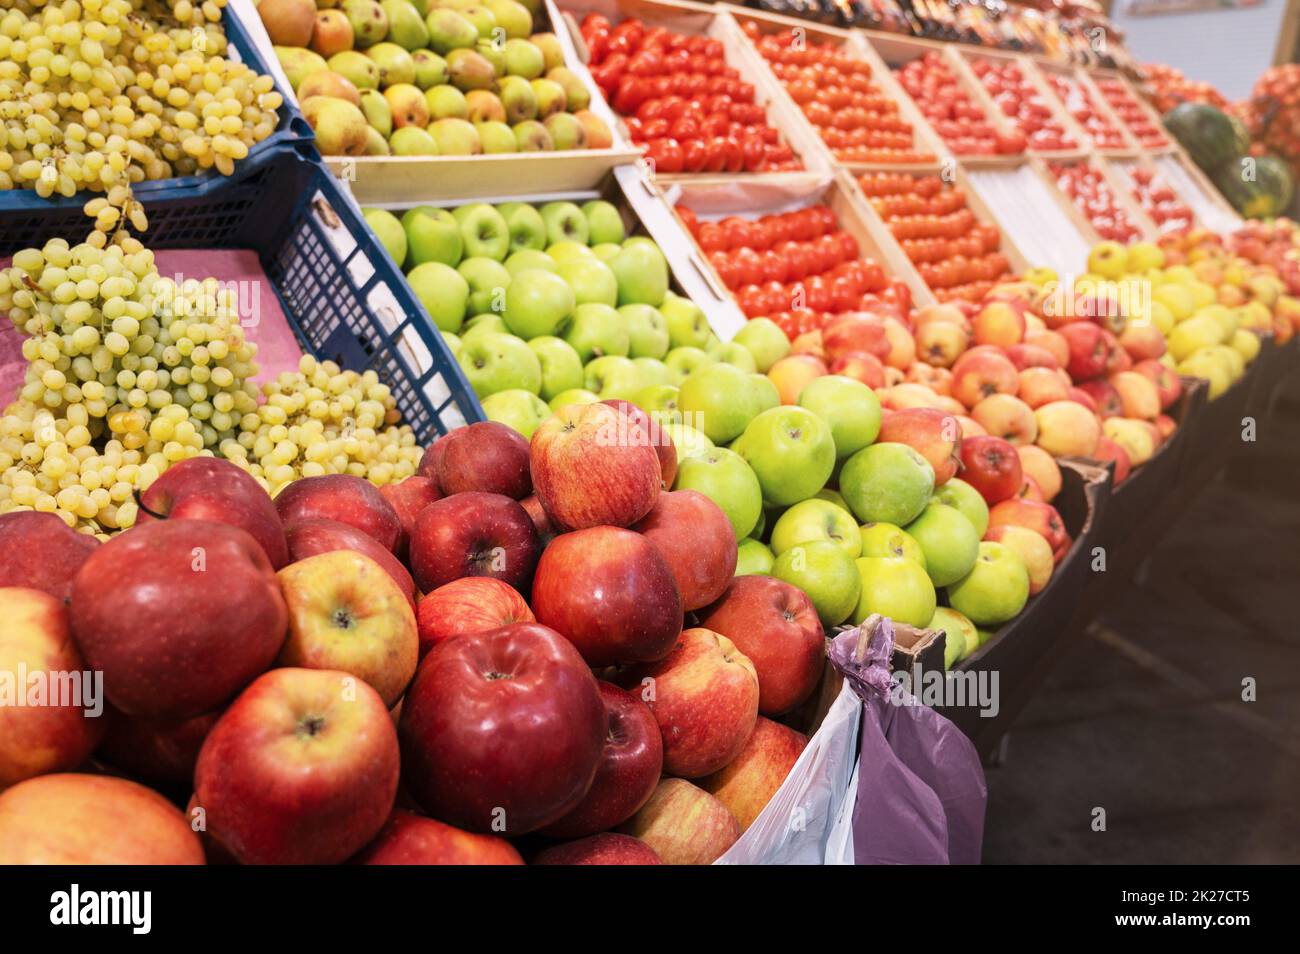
x=277 y=204
x=291 y=131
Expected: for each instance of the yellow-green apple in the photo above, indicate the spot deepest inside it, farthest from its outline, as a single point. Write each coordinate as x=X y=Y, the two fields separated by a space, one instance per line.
x=777 y=628
x=860 y=366
x=826 y=573
x=850 y=407
x=607 y=848
x=902 y=346
x=346 y=613
x=56 y=731
x=222 y=623
x=948 y=540
x=816 y=520
x=981 y=372
x=855 y=332
x=158 y=753
x=765 y=341
x=684 y=824
x=1138 y=395
x=473 y=534
x=961 y=638
x=934 y=434
x=308 y=538
x=1067 y=429
x=1007 y=417
x=1139 y=439
x=1108 y=450
x=1042 y=467
x=753 y=557
x=792 y=373
x=591 y=466
x=610 y=592
x=887 y=482
x=72 y=819
x=1000 y=323
x=472 y=604
x=342 y=497
x=408 y=497
x=502 y=731
x=1034 y=515
x=1104 y=397
x=656 y=436
x=894 y=587
x=941 y=343
x=301 y=769
x=411 y=839
x=696 y=540
x=1088 y=349
x=995 y=590
x=723 y=476
x=1039 y=386
x=1033 y=550
x=747 y=784
x=630 y=765
x=888 y=540
x=791 y=451
x=1031 y=356
x=61 y=550
x=485 y=456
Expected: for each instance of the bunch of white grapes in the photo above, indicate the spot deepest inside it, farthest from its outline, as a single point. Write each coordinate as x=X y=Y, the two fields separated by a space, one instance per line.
x=96 y=93
x=324 y=420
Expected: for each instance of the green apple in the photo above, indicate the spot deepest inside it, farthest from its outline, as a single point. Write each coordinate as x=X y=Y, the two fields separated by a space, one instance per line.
x=961 y=638
x=591 y=281
x=763 y=393
x=433 y=235
x=453 y=342
x=488 y=281
x=528 y=258
x=561 y=366
x=647 y=331
x=566 y=250
x=815 y=519
x=967 y=501
x=659 y=401
x=688 y=441
x=686 y=361
x=717 y=400
x=733 y=354
x=948 y=540
x=481 y=324
x=887 y=482
x=724 y=477
x=538 y=303
x=606 y=250
x=392 y=236
x=765 y=341
x=495 y=362
x=564 y=223
x=826 y=573
x=527 y=230
x=889 y=540
x=995 y=590
x=573 y=396
x=687 y=326
x=654 y=373
x=792 y=453
x=522 y=410
x=613 y=376
x=597 y=330
x=604 y=224
x=833 y=495
x=642 y=273
x=753 y=558
x=848 y=406
x=894 y=587
x=484 y=231
x=443 y=293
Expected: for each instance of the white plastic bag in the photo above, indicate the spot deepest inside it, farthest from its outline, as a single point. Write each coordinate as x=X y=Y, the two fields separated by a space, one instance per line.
x=797 y=824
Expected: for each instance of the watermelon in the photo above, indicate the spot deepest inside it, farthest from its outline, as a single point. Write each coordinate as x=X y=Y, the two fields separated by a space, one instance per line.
x=1265 y=195
x=1206 y=133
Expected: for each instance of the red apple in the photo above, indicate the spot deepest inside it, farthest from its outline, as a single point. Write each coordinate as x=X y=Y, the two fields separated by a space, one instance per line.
x=1039 y=386
x=309 y=538
x=1143 y=342
x=1080 y=396
x=629 y=770
x=684 y=824
x=1031 y=356
x=1088 y=349
x=546 y=531
x=981 y=372
x=657 y=437
x=938 y=380
x=92 y=820
x=411 y=839
x=432 y=458
x=855 y=332
x=592 y=466
x=1169 y=386
x=902 y=346
x=1166 y=426
x=992 y=466
x=696 y=540
x=408 y=498
x=1106 y=450
x=1104 y=396
x=221 y=623
x=1139 y=397
x=1051 y=342
x=776 y=626
x=301 y=769
x=502 y=731
x=61 y=731
x=934 y=434
x=860 y=366
x=1032 y=515
x=486 y=456
x=1042 y=467
x=610 y=593
x=748 y=783
x=607 y=848
x=62 y=551
x=208 y=488
x=347 y=499
x=473 y=534
x=162 y=753
x=472 y=604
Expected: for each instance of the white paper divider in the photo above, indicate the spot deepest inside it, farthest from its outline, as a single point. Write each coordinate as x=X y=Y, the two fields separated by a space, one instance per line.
x=1028 y=212
x=1211 y=214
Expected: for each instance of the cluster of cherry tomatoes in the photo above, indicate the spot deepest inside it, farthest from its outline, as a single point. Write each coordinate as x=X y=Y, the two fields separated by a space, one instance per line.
x=1272 y=114
x=1169 y=87
x=1078 y=102
x=955 y=254
x=835 y=91
x=1158 y=200
x=681 y=100
x=1144 y=129
x=1090 y=191
x=797 y=268
x=1022 y=103
x=952 y=112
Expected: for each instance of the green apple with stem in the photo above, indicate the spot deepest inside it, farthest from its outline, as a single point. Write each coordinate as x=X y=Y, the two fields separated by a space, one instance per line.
x=826 y=574
x=522 y=410
x=753 y=558
x=433 y=235
x=995 y=590
x=529 y=258
x=613 y=376
x=561 y=366
x=948 y=540
x=723 y=476
x=538 y=303
x=495 y=362
x=659 y=401
x=687 y=326
x=791 y=451
x=967 y=501
x=816 y=520
x=718 y=400
x=483 y=231
x=527 y=230
x=596 y=330
x=889 y=540
x=488 y=281
x=730 y=353
x=573 y=396
x=685 y=361
x=647 y=331
x=591 y=281
x=887 y=482
x=765 y=341
x=443 y=293
x=894 y=587
x=604 y=223
x=565 y=223
x=848 y=406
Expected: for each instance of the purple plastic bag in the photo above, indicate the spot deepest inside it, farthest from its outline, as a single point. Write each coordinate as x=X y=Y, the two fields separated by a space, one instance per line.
x=921 y=790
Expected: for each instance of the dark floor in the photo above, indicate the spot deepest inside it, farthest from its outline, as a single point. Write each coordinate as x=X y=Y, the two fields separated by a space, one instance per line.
x=1144 y=717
